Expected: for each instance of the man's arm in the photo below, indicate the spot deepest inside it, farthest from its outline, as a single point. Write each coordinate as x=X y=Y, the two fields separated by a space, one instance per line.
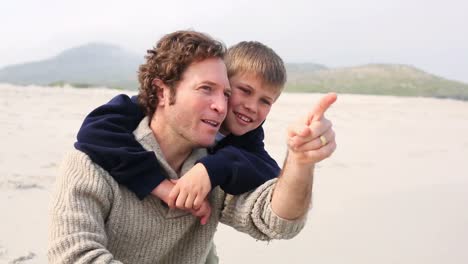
x=106 y=137
x=293 y=191
x=278 y=208
x=251 y=213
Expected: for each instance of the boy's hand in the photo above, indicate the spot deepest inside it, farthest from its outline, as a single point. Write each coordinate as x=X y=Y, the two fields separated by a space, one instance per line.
x=204 y=212
x=191 y=189
x=162 y=192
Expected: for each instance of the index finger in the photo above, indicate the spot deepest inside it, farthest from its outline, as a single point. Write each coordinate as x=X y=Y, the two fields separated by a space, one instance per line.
x=319 y=109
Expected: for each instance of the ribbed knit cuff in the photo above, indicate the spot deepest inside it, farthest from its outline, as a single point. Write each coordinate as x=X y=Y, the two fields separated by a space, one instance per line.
x=283 y=227
x=289 y=228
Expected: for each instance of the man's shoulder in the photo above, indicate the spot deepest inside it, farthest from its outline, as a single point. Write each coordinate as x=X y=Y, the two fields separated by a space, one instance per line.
x=77 y=166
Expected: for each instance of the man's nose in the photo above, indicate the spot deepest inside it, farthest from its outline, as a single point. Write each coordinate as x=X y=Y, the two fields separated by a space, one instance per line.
x=219 y=104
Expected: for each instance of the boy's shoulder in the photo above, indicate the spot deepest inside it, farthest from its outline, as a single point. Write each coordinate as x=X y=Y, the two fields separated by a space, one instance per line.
x=256 y=134
x=246 y=141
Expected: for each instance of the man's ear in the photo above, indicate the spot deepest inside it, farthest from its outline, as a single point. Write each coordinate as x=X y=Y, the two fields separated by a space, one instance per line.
x=161 y=91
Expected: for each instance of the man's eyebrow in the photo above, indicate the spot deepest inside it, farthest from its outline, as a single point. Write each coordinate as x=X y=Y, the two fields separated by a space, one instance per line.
x=226 y=88
x=209 y=82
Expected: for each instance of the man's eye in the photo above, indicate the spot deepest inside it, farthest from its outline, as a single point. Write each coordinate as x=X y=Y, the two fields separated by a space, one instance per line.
x=227 y=94
x=206 y=88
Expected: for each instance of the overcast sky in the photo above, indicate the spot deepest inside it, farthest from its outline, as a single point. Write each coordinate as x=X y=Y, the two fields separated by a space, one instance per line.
x=431 y=34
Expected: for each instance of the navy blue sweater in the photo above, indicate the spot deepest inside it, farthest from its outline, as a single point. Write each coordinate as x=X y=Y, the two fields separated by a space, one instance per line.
x=237 y=163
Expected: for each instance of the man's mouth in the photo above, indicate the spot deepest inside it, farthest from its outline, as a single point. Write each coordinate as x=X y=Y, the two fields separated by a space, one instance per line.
x=243 y=117
x=211 y=122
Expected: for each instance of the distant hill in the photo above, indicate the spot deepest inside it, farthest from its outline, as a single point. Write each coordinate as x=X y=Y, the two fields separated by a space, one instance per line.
x=301 y=68
x=98 y=64
x=380 y=79
x=89 y=65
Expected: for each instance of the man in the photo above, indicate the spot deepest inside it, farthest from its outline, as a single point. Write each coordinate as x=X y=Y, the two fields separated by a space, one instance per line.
x=94 y=219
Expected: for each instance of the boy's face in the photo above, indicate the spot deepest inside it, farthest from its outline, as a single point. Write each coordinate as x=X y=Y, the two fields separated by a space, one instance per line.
x=249 y=104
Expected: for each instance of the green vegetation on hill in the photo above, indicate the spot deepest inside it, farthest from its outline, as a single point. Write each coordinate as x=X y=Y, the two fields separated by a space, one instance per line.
x=379 y=79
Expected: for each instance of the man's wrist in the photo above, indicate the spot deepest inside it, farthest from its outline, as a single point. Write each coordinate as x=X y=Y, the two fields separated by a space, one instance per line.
x=294 y=161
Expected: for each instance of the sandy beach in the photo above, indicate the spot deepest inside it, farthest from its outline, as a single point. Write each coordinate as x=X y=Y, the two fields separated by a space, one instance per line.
x=395 y=191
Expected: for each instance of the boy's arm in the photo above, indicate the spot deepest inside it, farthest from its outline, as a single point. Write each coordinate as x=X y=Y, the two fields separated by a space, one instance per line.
x=241 y=164
x=106 y=137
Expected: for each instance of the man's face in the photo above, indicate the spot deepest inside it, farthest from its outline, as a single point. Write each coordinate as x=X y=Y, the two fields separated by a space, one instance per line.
x=200 y=102
x=249 y=104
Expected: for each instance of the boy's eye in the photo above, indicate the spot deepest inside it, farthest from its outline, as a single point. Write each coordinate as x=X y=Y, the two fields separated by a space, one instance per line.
x=266 y=102
x=244 y=90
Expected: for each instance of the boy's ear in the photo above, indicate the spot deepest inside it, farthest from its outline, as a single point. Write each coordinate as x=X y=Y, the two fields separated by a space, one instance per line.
x=161 y=87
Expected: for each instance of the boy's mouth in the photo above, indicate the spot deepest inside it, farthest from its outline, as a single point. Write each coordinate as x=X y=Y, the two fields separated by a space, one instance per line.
x=243 y=117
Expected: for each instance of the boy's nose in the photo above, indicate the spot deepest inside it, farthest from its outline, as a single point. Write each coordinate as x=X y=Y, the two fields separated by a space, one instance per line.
x=251 y=106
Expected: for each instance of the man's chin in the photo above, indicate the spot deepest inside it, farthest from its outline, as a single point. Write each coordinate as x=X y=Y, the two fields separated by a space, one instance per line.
x=206 y=143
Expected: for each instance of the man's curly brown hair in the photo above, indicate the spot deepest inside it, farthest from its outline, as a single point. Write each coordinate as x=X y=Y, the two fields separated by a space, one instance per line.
x=168 y=60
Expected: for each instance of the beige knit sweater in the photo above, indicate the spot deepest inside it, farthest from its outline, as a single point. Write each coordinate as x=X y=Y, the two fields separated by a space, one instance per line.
x=96 y=220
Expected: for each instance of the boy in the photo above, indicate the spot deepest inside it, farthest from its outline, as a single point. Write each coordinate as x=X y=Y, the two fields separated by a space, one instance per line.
x=239 y=162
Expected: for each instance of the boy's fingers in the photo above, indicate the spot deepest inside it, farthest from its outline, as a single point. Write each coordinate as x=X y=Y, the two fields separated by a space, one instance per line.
x=189 y=201
x=180 y=202
x=206 y=214
x=321 y=107
x=198 y=202
x=205 y=218
x=173 y=196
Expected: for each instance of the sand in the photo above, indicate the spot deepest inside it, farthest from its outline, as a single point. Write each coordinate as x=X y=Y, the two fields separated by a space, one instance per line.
x=395 y=191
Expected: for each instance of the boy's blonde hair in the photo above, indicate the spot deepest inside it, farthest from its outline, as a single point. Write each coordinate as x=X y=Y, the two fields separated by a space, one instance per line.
x=252 y=57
